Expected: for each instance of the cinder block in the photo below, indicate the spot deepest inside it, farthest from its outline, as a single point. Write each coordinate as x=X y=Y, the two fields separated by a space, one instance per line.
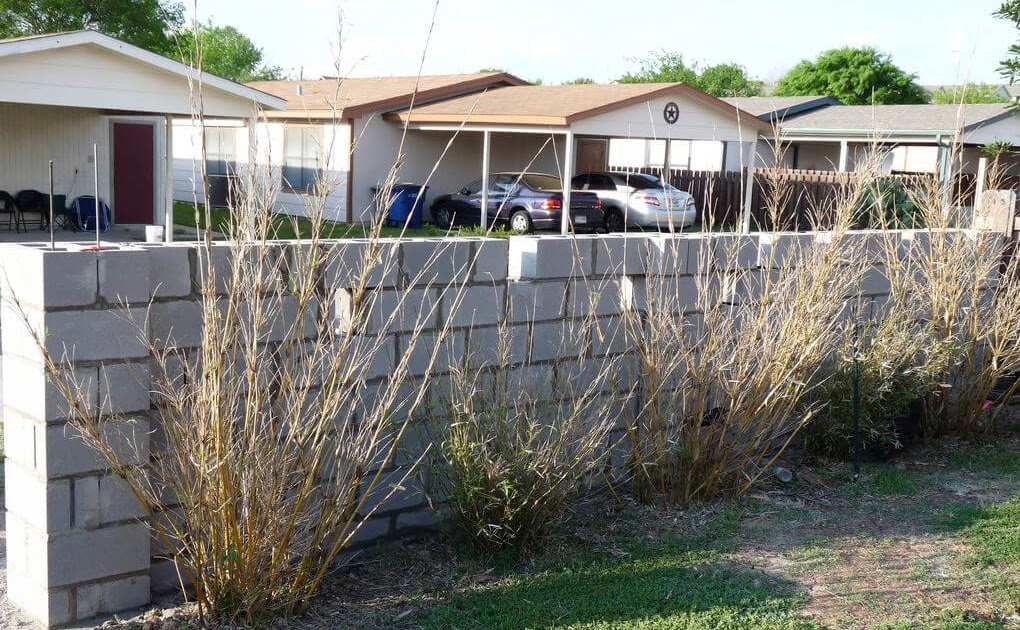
x=491 y=257
x=87 y=511
x=723 y=252
x=169 y=269
x=124 y=275
x=669 y=254
x=784 y=249
x=389 y=310
x=427 y=262
x=497 y=345
x=44 y=505
x=165 y=578
x=595 y=296
x=52 y=279
x=626 y=254
x=425 y=357
x=125 y=387
x=351 y=260
x=116 y=501
x=536 y=301
x=557 y=340
x=97 y=335
x=875 y=282
x=473 y=306
x=674 y=295
x=538 y=257
x=176 y=324
x=63 y=452
x=30 y=389
x=610 y=336
x=112 y=596
x=50 y=607
x=373 y=529
x=423 y=518
x=79 y=556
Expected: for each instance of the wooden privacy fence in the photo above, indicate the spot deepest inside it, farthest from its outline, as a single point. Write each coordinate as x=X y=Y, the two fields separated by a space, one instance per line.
x=792 y=199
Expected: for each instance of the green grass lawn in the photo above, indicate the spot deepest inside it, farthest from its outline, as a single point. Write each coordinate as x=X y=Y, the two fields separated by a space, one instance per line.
x=290 y=227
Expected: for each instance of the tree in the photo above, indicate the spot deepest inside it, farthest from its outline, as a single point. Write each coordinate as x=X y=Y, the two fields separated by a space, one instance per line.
x=725 y=79
x=668 y=67
x=226 y=52
x=580 y=81
x=855 y=76
x=144 y=23
x=1009 y=67
x=976 y=93
x=728 y=79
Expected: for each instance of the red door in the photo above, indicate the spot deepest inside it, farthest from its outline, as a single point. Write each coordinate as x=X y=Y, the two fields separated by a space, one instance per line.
x=133 y=172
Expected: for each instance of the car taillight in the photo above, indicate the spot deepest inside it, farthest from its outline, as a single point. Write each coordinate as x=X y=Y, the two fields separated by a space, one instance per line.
x=552 y=203
x=598 y=204
x=651 y=200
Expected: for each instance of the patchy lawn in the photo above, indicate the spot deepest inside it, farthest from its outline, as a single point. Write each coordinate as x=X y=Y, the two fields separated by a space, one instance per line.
x=928 y=542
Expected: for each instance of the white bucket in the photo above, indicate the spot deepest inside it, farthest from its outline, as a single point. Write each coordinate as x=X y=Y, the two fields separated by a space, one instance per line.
x=154 y=233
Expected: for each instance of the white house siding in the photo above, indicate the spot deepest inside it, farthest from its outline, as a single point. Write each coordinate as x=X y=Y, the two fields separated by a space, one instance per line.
x=103 y=79
x=32 y=135
x=645 y=120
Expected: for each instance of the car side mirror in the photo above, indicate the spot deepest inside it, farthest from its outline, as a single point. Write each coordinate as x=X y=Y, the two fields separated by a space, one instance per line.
x=465 y=191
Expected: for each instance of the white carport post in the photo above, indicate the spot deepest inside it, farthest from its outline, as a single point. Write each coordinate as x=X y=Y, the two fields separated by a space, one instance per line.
x=844 y=156
x=568 y=174
x=168 y=181
x=486 y=149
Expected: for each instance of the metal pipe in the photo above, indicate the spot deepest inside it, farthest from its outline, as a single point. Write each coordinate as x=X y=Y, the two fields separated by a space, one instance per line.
x=52 y=238
x=95 y=172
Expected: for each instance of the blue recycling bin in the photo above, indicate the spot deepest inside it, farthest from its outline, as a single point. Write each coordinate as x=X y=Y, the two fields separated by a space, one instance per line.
x=407 y=200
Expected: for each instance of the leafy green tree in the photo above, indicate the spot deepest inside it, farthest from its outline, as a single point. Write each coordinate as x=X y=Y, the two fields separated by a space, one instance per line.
x=580 y=81
x=724 y=79
x=668 y=67
x=976 y=93
x=226 y=52
x=1009 y=67
x=144 y=23
x=728 y=79
x=855 y=76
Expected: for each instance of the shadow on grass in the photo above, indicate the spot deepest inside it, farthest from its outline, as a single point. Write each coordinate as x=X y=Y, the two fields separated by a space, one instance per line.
x=666 y=590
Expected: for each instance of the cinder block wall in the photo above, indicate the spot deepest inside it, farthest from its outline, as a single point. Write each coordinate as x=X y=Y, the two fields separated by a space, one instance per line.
x=78 y=543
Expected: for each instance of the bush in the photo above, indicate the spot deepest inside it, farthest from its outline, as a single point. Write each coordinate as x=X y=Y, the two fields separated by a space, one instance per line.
x=511 y=459
x=894 y=376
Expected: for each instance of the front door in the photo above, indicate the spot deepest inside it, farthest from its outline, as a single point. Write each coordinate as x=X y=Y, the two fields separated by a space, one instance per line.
x=134 y=170
x=591 y=155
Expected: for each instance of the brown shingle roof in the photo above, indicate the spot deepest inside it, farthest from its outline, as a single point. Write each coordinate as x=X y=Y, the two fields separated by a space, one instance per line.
x=555 y=104
x=352 y=97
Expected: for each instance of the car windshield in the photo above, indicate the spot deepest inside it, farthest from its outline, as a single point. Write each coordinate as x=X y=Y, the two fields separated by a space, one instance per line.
x=541 y=182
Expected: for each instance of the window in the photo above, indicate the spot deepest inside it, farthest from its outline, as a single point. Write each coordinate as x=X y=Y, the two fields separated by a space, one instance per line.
x=302 y=151
x=220 y=150
x=503 y=185
x=541 y=182
x=473 y=188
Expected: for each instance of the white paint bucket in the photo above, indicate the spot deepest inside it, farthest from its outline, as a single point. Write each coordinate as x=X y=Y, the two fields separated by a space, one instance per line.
x=154 y=233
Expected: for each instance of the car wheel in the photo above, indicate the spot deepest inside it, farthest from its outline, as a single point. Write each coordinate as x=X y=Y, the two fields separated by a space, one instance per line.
x=520 y=222
x=614 y=221
x=443 y=217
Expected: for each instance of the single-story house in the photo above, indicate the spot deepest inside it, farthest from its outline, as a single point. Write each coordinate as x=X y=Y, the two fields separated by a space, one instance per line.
x=454 y=127
x=62 y=95
x=776 y=109
x=920 y=137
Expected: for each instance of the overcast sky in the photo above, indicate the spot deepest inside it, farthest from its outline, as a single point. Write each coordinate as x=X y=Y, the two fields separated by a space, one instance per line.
x=942 y=41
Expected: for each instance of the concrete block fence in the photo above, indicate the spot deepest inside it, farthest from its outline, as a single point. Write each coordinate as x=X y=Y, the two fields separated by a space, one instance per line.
x=79 y=544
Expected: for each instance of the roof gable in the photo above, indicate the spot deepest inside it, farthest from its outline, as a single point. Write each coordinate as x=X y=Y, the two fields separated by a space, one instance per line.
x=32 y=48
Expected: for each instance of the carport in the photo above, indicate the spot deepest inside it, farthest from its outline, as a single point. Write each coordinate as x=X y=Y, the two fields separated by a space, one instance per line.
x=582 y=119
x=65 y=96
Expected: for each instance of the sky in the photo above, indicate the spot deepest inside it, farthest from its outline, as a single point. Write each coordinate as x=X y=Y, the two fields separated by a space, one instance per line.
x=941 y=41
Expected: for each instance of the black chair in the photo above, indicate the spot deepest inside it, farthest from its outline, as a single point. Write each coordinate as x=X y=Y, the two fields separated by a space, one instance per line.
x=9 y=207
x=32 y=201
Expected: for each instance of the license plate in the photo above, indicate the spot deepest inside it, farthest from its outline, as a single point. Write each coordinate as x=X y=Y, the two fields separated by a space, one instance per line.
x=580 y=220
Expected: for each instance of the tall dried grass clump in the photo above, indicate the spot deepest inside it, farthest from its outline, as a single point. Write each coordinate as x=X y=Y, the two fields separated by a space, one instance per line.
x=722 y=377
x=518 y=444
x=965 y=285
x=272 y=441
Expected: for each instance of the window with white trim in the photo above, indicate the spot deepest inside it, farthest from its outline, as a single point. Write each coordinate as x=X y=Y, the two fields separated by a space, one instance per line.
x=220 y=150
x=302 y=157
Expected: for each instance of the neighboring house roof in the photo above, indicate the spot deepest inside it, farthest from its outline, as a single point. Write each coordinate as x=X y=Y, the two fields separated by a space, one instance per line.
x=557 y=105
x=869 y=120
x=352 y=97
x=39 y=43
x=1012 y=91
x=773 y=108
